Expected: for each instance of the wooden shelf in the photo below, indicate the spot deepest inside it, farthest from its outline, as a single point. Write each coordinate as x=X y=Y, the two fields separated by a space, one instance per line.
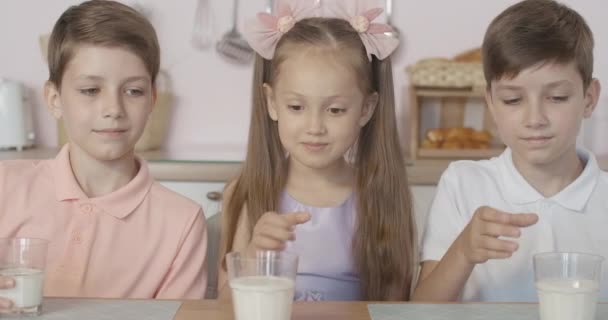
x=442 y=93
x=452 y=115
x=459 y=153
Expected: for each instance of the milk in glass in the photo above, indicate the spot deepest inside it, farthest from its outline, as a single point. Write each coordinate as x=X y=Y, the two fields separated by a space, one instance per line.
x=567 y=299
x=262 y=297
x=27 y=292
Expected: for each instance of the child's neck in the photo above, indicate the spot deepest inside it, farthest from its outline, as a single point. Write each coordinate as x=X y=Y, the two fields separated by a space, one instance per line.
x=320 y=187
x=98 y=177
x=549 y=179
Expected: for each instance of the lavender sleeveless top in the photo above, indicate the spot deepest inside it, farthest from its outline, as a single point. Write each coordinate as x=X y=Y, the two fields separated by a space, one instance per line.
x=326 y=269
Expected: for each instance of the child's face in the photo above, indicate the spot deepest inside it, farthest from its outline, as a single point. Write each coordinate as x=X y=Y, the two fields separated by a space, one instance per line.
x=105 y=99
x=319 y=107
x=538 y=113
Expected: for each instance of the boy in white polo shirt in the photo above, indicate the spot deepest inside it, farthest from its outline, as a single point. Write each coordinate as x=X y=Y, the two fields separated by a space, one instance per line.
x=490 y=217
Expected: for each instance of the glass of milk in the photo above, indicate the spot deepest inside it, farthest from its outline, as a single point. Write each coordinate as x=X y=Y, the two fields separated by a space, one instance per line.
x=262 y=285
x=24 y=260
x=567 y=284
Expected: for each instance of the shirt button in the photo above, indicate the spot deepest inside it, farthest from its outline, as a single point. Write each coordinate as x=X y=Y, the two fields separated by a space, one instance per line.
x=76 y=238
x=86 y=208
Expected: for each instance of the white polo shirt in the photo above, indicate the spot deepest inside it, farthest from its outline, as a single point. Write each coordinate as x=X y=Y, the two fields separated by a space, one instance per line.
x=575 y=220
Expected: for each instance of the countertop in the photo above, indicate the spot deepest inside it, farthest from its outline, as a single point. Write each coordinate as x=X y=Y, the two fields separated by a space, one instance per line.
x=168 y=165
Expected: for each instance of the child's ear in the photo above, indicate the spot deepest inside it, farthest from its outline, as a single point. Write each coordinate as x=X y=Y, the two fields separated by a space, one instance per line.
x=369 y=106
x=53 y=99
x=268 y=95
x=592 y=96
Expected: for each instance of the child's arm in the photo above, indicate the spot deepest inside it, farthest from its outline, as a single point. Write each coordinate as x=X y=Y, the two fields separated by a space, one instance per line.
x=270 y=233
x=187 y=278
x=477 y=243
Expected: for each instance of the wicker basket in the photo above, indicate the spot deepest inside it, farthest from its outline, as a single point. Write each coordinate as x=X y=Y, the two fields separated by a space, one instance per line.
x=445 y=73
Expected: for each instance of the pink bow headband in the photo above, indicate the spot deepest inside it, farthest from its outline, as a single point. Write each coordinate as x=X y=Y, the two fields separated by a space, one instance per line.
x=264 y=32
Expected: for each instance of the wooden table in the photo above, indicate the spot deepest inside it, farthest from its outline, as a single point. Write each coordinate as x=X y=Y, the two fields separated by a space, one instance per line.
x=357 y=310
x=212 y=309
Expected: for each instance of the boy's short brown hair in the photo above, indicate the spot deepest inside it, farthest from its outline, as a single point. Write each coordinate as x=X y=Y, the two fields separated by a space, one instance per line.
x=536 y=31
x=101 y=23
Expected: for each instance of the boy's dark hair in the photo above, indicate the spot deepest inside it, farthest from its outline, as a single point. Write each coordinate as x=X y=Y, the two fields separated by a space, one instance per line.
x=537 y=31
x=101 y=23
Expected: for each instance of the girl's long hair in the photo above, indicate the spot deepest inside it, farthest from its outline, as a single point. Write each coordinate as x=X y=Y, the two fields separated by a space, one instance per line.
x=384 y=240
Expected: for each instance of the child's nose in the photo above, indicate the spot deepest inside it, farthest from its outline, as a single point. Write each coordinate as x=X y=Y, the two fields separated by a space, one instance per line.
x=113 y=107
x=316 y=124
x=536 y=115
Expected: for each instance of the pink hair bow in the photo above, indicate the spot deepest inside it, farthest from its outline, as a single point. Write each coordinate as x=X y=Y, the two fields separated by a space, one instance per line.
x=264 y=32
x=376 y=37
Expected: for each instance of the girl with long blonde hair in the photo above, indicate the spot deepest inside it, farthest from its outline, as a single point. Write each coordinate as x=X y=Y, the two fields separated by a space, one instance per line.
x=324 y=175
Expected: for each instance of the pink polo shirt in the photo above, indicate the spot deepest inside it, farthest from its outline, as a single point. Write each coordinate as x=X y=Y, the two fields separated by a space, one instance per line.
x=142 y=241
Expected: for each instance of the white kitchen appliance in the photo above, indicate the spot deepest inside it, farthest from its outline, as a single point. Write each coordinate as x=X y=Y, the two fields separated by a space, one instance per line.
x=16 y=119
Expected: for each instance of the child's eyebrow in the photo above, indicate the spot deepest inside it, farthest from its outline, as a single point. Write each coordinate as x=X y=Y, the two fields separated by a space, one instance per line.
x=99 y=78
x=504 y=87
x=557 y=83
x=137 y=78
x=90 y=77
x=332 y=97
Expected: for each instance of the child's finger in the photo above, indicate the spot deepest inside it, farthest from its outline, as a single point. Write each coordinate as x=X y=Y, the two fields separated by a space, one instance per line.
x=266 y=243
x=523 y=219
x=491 y=254
x=5 y=304
x=297 y=218
x=6 y=282
x=500 y=230
x=279 y=234
x=495 y=216
x=493 y=244
x=515 y=219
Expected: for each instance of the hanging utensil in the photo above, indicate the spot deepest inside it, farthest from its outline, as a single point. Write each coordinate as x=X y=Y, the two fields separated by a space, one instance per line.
x=232 y=45
x=389 y=15
x=201 y=31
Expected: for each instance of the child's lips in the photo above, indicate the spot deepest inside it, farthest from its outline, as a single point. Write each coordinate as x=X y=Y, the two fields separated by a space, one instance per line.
x=314 y=146
x=537 y=140
x=110 y=132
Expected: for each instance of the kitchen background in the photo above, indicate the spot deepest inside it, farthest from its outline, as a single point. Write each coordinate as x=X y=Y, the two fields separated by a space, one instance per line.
x=210 y=113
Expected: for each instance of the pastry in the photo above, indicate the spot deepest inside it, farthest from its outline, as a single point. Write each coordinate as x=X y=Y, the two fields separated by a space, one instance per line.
x=427 y=144
x=459 y=134
x=481 y=136
x=435 y=135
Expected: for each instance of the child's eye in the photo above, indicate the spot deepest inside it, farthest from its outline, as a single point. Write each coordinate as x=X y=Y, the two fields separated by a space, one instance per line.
x=559 y=99
x=294 y=107
x=511 y=102
x=336 y=110
x=135 y=92
x=89 y=91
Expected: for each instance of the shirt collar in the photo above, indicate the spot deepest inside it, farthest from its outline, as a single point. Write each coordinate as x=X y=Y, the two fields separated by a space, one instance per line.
x=573 y=197
x=119 y=203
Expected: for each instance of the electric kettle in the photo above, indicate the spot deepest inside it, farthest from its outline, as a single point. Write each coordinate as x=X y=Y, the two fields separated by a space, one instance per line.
x=16 y=120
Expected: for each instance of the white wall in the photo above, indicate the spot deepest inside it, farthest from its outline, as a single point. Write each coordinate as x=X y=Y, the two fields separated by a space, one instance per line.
x=213 y=96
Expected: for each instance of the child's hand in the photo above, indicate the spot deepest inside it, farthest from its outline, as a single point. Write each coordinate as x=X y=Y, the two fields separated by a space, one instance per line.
x=5 y=304
x=479 y=241
x=273 y=230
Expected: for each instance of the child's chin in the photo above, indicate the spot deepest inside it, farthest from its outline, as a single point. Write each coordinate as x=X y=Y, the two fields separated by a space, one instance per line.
x=112 y=154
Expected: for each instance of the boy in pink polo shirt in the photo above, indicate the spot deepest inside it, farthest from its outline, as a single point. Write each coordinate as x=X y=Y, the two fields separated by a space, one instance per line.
x=113 y=231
